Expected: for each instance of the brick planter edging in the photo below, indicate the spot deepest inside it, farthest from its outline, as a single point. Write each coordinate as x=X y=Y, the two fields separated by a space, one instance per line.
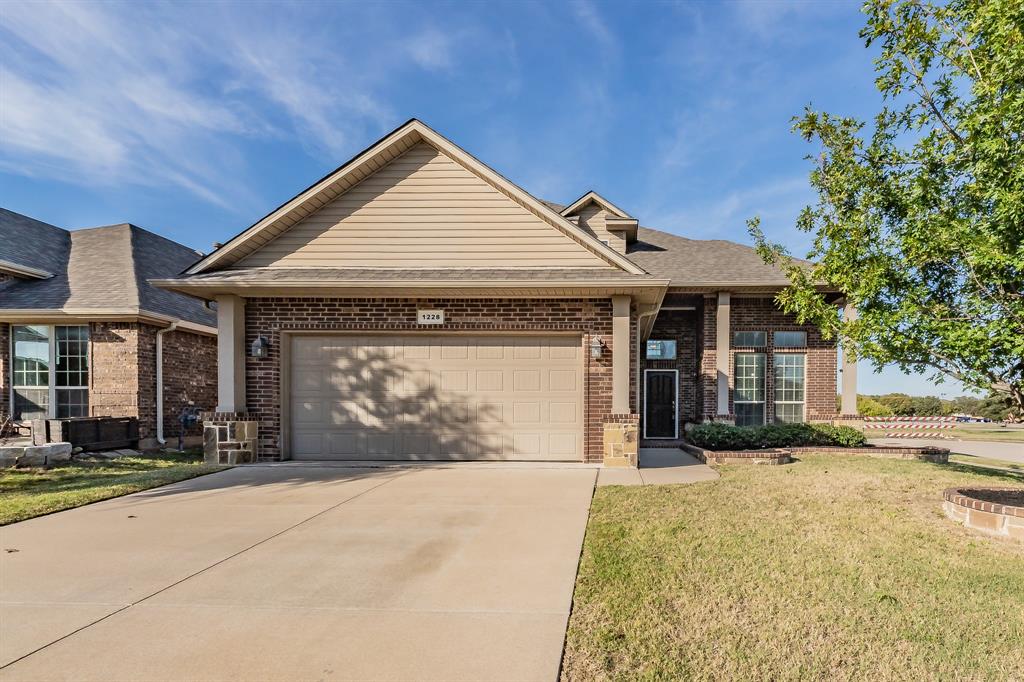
x=782 y=455
x=766 y=456
x=923 y=453
x=994 y=518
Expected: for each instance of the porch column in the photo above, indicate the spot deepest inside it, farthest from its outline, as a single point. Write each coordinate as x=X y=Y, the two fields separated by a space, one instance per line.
x=722 y=338
x=848 y=402
x=620 y=354
x=230 y=354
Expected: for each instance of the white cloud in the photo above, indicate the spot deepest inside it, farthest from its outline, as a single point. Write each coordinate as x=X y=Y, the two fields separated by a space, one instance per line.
x=594 y=23
x=776 y=201
x=431 y=49
x=156 y=95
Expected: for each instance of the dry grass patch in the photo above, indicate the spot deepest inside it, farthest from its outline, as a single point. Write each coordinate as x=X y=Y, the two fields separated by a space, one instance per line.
x=838 y=567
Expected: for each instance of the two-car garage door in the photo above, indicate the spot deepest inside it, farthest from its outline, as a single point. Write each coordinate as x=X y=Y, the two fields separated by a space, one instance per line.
x=436 y=397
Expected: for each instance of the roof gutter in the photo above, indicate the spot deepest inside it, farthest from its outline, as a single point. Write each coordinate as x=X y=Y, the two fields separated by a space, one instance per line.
x=23 y=270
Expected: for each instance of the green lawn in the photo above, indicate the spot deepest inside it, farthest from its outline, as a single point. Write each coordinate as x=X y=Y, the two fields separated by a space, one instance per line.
x=25 y=493
x=834 y=567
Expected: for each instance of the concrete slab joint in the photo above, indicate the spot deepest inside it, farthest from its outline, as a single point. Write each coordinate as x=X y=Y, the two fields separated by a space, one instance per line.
x=622 y=442
x=230 y=438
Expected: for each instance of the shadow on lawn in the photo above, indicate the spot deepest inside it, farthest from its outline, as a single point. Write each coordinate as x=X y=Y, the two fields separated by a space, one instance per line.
x=980 y=470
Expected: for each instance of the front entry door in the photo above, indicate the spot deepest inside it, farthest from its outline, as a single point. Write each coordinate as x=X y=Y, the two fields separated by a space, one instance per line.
x=660 y=403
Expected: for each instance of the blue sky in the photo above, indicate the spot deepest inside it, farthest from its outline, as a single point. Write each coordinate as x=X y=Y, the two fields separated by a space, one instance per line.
x=194 y=120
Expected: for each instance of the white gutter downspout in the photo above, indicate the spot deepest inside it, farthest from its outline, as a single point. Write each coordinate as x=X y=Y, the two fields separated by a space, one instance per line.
x=160 y=382
x=639 y=373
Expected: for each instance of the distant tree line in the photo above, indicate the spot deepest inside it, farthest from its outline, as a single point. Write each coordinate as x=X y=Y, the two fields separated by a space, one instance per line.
x=994 y=407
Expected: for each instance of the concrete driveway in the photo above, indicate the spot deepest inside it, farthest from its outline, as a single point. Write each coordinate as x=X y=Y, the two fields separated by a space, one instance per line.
x=301 y=572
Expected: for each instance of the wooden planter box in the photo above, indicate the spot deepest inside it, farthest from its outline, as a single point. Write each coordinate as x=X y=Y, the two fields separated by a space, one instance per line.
x=88 y=433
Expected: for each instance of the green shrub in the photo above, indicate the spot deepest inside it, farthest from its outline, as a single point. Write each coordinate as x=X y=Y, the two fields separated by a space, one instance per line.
x=718 y=436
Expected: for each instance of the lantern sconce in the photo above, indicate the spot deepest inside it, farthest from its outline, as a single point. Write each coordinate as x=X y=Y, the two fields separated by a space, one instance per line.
x=596 y=347
x=260 y=347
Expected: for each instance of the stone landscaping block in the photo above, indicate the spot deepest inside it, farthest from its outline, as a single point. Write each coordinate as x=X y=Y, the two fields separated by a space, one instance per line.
x=9 y=456
x=45 y=455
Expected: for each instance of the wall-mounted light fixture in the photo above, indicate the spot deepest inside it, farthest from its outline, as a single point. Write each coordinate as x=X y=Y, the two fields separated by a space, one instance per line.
x=260 y=347
x=596 y=347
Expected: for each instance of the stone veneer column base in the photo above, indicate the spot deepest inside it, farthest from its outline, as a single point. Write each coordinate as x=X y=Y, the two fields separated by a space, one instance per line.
x=622 y=440
x=230 y=438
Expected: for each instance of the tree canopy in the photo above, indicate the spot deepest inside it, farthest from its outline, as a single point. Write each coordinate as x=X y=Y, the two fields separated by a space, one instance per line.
x=919 y=220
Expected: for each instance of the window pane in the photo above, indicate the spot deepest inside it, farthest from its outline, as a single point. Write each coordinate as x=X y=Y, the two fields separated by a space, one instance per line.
x=749 y=414
x=750 y=339
x=789 y=377
x=661 y=350
x=72 y=402
x=790 y=339
x=30 y=403
x=789 y=412
x=72 y=356
x=31 y=356
x=749 y=380
x=789 y=387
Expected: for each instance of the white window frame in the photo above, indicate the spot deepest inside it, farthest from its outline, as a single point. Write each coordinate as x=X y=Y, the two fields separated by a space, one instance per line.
x=764 y=388
x=776 y=402
x=51 y=388
x=675 y=412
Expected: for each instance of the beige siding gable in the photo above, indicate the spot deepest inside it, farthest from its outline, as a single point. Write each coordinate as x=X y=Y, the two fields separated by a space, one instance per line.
x=592 y=219
x=423 y=209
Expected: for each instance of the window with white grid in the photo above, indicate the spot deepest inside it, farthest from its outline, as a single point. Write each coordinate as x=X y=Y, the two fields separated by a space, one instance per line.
x=748 y=396
x=789 y=387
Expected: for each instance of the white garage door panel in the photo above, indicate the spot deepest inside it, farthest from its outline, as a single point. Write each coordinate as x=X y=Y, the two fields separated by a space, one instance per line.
x=436 y=397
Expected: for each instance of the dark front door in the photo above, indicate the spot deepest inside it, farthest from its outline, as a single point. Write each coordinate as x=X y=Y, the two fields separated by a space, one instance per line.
x=660 y=404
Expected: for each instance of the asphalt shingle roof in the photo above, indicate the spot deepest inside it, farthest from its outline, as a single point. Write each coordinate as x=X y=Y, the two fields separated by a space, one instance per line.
x=96 y=268
x=691 y=262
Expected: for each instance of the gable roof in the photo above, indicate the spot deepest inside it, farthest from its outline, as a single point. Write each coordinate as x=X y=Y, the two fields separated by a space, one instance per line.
x=100 y=271
x=373 y=158
x=592 y=196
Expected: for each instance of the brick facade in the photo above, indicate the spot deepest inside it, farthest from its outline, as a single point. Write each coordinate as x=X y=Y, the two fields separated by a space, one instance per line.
x=190 y=374
x=122 y=373
x=270 y=316
x=761 y=314
x=682 y=326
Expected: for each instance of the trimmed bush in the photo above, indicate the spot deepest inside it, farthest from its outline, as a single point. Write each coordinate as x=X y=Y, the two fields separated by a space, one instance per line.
x=718 y=436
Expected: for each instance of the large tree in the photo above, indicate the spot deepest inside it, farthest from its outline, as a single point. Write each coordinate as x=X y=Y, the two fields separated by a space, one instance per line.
x=920 y=216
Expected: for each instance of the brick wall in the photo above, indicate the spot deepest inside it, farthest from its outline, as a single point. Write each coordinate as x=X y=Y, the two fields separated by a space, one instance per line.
x=269 y=316
x=5 y=369
x=114 y=369
x=190 y=374
x=761 y=314
x=681 y=326
x=123 y=374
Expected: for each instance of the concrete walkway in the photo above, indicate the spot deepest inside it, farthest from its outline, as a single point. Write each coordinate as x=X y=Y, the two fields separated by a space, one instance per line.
x=660 y=466
x=301 y=573
x=1008 y=452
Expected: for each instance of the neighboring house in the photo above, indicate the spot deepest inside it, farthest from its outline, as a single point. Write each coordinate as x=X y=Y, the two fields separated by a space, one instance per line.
x=415 y=304
x=81 y=329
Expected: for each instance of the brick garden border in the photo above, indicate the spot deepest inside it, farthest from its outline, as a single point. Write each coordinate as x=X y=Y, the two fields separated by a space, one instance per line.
x=783 y=455
x=964 y=505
